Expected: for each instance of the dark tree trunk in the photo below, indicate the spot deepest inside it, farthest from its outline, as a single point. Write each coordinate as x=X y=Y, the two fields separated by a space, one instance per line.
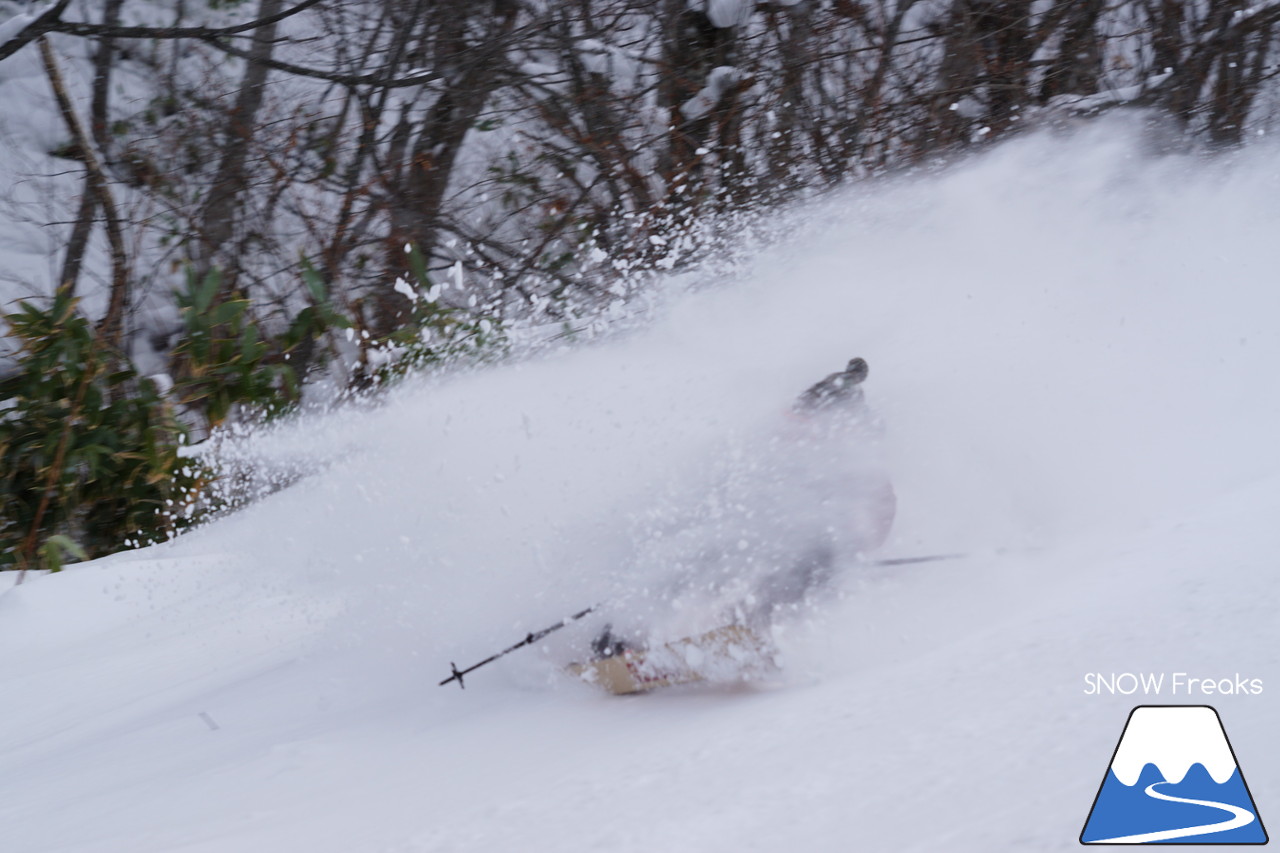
x=222 y=210
x=693 y=47
x=1078 y=64
x=100 y=131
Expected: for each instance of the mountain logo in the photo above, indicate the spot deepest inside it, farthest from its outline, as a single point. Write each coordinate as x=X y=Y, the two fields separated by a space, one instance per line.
x=1173 y=779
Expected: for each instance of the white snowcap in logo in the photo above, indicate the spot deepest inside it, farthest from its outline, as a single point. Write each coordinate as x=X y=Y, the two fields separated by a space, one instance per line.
x=1173 y=738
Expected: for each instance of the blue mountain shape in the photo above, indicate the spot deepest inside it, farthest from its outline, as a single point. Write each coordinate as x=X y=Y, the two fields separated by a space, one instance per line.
x=1151 y=774
x=1127 y=810
x=1199 y=785
x=1123 y=810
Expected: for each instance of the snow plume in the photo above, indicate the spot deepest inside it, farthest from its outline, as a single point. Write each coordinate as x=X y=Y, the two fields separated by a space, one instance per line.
x=758 y=530
x=1065 y=335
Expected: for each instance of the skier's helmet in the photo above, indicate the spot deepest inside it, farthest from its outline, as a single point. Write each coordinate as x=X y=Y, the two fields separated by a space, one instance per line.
x=856 y=371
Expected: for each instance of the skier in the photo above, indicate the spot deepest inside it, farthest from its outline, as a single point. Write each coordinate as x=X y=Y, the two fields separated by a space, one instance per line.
x=837 y=405
x=761 y=544
x=816 y=491
x=834 y=456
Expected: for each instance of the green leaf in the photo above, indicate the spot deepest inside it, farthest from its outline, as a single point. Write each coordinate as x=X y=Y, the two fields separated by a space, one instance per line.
x=418 y=265
x=330 y=318
x=92 y=398
x=250 y=349
x=290 y=380
x=302 y=327
x=208 y=290
x=227 y=312
x=55 y=548
x=314 y=281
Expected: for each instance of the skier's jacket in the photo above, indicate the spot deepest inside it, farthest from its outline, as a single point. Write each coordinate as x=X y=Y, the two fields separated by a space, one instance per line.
x=833 y=418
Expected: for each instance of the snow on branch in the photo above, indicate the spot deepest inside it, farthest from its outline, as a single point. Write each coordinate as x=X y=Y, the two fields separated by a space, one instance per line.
x=32 y=25
x=1244 y=21
x=724 y=13
x=1112 y=98
x=26 y=27
x=719 y=82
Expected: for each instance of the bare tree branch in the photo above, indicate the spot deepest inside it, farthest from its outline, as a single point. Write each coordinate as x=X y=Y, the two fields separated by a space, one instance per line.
x=380 y=80
x=43 y=23
x=51 y=22
x=111 y=324
x=75 y=28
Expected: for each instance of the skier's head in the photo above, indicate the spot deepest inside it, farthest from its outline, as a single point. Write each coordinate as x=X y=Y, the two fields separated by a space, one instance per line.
x=856 y=370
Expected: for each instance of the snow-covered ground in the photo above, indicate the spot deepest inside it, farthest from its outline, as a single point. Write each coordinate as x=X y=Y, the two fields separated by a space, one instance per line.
x=1073 y=344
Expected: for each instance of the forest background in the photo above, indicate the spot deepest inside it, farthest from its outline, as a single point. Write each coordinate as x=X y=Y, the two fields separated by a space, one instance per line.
x=215 y=211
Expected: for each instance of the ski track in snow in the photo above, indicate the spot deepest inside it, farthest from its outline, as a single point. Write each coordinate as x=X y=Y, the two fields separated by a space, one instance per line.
x=1072 y=344
x=1239 y=817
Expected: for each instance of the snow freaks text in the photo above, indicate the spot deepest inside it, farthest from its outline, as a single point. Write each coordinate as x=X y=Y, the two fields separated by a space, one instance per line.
x=1171 y=684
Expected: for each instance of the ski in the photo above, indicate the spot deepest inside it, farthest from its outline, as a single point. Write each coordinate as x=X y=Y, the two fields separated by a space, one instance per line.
x=633 y=671
x=725 y=654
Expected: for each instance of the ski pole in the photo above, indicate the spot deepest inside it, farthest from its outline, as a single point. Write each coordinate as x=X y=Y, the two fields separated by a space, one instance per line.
x=534 y=637
x=527 y=641
x=908 y=561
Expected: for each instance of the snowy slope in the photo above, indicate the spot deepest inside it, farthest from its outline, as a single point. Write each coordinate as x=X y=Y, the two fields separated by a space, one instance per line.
x=1073 y=344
